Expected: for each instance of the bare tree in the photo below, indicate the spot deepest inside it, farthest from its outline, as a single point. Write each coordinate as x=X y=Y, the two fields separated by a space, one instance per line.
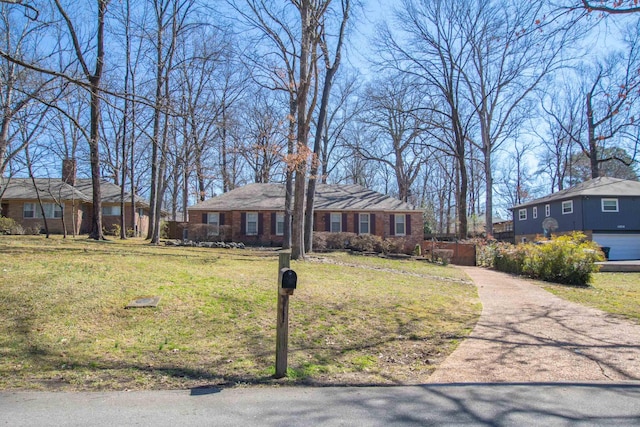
x=512 y=49
x=614 y=7
x=266 y=138
x=330 y=70
x=431 y=49
x=171 y=19
x=395 y=110
x=20 y=88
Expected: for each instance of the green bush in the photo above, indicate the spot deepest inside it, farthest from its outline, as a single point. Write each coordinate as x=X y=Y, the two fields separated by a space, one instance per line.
x=569 y=259
x=9 y=226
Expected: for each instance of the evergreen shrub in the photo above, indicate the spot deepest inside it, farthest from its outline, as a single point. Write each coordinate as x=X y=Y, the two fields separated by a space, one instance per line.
x=568 y=259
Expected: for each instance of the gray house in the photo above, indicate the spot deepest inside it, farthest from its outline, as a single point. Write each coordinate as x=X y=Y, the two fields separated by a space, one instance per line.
x=606 y=209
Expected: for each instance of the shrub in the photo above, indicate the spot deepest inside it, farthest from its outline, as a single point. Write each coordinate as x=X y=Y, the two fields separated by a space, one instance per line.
x=324 y=240
x=319 y=243
x=9 y=226
x=568 y=259
x=368 y=243
x=209 y=233
x=443 y=255
x=339 y=240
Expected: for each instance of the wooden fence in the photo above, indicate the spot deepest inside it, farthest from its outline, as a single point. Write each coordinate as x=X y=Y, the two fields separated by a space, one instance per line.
x=463 y=253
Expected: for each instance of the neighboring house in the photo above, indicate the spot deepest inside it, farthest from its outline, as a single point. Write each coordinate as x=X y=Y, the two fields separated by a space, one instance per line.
x=254 y=214
x=606 y=209
x=503 y=230
x=68 y=199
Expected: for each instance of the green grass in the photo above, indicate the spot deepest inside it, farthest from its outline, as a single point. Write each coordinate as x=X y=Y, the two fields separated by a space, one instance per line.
x=353 y=319
x=615 y=293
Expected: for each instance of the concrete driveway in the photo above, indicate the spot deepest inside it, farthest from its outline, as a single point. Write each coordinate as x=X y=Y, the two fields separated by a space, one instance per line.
x=527 y=334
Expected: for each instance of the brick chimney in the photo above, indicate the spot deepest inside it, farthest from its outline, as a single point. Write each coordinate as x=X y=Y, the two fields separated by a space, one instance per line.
x=69 y=168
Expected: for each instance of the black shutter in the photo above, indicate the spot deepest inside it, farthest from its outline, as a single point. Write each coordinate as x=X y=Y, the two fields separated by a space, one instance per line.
x=392 y=225
x=273 y=223
x=327 y=222
x=344 y=222
x=221 y=219
x=204 y=218
x=372 y=224
x=356 y=223
x=260 y=224
x=243 y=223
x=408 y=224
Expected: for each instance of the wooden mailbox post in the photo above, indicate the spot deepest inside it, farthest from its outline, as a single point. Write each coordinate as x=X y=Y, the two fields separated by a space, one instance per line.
x=287 y=280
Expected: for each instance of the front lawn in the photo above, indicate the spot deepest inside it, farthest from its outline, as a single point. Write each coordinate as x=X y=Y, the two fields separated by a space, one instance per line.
x=353 y=320
x=616 y=293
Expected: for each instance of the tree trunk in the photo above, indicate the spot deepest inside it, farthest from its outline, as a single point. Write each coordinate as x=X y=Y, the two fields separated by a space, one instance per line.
x=591 y=135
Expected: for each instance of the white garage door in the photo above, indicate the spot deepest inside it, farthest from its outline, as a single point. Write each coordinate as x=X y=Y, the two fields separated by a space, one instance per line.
x=623 y=246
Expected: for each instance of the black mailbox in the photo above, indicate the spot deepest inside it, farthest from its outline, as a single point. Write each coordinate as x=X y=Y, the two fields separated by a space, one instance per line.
x=289 y=278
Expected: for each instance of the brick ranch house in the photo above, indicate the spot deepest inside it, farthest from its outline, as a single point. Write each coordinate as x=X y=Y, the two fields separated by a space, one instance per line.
x=254 y=214
x=67 y=198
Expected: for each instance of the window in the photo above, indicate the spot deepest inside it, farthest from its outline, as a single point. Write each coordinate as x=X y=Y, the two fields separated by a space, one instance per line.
x=609 y=205
x=567 y=207
x=364 y=223
x=111 y=211
x=336 y=223
x=400 y=225
x=522 y=214
x=547 y=210
x=213 y=219
x=51 y=210
x=252 y=223
x=279 y=224
x=28 y=210
x=535 y=212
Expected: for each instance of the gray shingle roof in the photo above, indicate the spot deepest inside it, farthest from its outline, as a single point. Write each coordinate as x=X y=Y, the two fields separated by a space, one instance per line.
x=109 y=191
x=603 y=186
x=49 y=189
x=270 y=197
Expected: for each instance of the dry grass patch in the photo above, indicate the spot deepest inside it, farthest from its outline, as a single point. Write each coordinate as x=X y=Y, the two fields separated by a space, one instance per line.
x=615 y=293
x=353 y=320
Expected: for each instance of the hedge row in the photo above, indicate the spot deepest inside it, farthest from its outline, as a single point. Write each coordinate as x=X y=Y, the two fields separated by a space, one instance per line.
x=568 y=259
x=362 y=242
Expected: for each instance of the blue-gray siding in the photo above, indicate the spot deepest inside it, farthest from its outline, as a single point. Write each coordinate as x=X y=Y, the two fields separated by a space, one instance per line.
x=587 y=215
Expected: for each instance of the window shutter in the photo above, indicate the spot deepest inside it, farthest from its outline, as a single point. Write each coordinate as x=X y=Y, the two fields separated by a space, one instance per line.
x=221 y=219
x=243 y=223
x=273 y=223
x=327 y=222
x=408 y=225
x=372 y=226
x=356 y=223
x=344 y=222
x=260 y=224
x=392 y=225
x=204 y=218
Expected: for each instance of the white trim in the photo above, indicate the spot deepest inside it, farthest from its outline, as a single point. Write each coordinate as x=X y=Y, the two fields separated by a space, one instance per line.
x=547 y=210
x=279 y=221
x=331 y=222
x=248 y=221
x=535 y=212
x=213 y=218
x=361 y=217
x=403 y=222
x=522 y=217
x=569 y=204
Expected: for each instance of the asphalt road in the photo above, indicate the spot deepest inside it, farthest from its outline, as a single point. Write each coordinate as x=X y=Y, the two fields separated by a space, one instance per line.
x=452 y=404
